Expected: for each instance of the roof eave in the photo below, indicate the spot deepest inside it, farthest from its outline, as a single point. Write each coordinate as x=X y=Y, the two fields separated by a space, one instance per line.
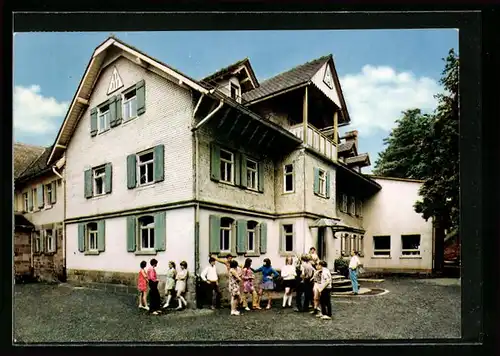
x=280 y=92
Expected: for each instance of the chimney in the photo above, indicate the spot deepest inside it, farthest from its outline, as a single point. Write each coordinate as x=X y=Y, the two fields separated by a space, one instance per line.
x=352 y=136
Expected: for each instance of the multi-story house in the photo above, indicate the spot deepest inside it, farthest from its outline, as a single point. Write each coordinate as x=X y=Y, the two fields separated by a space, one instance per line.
x=39 y=214
x=159 y=165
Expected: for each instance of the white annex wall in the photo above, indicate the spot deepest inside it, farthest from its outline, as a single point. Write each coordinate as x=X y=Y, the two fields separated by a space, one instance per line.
x=116 y=258
x=391 y=212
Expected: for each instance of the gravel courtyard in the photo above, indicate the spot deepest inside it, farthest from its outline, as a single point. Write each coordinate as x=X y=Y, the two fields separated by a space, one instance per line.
x=413 y=309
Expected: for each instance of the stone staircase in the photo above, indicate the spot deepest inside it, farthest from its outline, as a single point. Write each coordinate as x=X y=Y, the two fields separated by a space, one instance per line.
x=340 y=283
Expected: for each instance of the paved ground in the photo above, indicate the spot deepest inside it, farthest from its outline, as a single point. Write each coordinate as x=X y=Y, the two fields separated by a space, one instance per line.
x=411 y=309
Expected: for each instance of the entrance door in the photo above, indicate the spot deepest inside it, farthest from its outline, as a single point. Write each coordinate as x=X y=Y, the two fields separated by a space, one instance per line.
x=321 y=243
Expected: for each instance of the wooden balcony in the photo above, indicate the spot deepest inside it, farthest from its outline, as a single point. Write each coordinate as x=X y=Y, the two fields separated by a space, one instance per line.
x=316 y=140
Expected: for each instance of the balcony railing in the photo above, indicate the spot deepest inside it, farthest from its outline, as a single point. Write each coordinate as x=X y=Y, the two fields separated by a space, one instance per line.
x=316 y=140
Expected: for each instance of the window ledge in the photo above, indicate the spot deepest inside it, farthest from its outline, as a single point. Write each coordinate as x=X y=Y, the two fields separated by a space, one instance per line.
x=51 y=253
x=100 y=196
x=382 y=257
x=145 y=186
x=47 y=207
x=416 y=257
x=286 y=193
x=145 y=253
x=252 y=254
x=287 y=253
x=103 y=131
x=225 y=254
x=37 y=253
x=321 y=196
x=91 y=253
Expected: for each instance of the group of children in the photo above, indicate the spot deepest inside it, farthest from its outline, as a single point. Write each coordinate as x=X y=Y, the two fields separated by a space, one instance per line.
x=175 y=284
x=310 y=278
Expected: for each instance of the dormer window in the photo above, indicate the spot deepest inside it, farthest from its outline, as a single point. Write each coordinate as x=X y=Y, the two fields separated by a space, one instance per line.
x=234 y=92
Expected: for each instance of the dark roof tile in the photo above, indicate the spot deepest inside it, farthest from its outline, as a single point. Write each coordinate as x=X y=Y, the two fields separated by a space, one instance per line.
x=24 y=156
x=295 y=76
x=38 y=166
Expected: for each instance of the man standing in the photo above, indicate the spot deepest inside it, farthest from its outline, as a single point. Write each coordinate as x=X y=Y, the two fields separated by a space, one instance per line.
x=305 y=285
x=353 y=271
x=209 y=276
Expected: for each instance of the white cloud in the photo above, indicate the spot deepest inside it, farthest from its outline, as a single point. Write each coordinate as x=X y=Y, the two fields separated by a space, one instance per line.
x=377 y=95
x=35 y=114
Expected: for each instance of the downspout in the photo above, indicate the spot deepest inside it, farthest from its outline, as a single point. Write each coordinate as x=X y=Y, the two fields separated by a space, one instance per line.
x=63 y=220
x=305 y=192
x=209 y=116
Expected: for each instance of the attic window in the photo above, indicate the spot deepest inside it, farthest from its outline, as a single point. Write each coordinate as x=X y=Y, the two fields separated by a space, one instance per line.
x=103 y=118
x=234 y=92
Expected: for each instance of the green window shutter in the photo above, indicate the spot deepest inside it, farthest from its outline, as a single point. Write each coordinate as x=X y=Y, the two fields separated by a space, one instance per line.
x=131 y=171
x=316 y=180
x=119 y=115
x=141 y=97
x=244 y=177
x=43 y=240
x=108 y=177
x=30 y=200
x=112 y=111
x=237 y=169
x=214 y=238
x=263 y=237
x=160 y=231
x=260 y=172
x=53 y=199
x=131 y=231
x=39 y=195
x=159 y=163
x=241 y=236
x=81 y=237
x=101 y=235
x=93 y=122
x=214 y=162
x=328 y=184
x=58 y=232
x=88 y=184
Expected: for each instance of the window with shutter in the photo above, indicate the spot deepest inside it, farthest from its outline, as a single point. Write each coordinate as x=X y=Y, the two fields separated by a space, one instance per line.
x=141 y=97
x=214 y=235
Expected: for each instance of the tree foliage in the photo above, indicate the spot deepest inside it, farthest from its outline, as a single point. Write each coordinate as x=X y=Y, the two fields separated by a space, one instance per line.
x=402 y=157
x=441 y=190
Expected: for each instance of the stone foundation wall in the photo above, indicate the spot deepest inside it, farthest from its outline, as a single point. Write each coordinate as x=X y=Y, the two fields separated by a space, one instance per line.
x=122 y=282
x=22 y=253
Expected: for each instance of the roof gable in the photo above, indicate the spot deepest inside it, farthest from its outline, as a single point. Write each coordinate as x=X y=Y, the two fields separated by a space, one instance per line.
x=295 y=77
x=241 y=68
x=79 y=102
x=38 y=166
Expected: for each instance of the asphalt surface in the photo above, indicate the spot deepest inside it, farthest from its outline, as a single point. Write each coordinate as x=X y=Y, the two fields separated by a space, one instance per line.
x=60 y=313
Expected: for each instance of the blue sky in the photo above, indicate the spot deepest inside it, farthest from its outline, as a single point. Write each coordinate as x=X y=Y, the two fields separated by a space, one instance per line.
x=382 y=72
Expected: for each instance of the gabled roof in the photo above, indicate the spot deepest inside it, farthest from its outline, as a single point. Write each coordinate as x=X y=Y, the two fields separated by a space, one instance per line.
x=294 y=77
x=232 y=69
x=348 y=149
x=85 y=88
x=39 y=166
x=24 y=156
x=360 y=160
x=21 y=221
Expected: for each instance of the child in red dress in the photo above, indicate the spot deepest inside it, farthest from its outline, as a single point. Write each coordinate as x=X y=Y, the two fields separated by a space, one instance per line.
x=142 y=286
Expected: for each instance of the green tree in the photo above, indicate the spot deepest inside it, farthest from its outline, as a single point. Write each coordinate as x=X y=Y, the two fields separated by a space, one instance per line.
x=441 y=190
x=402 y=156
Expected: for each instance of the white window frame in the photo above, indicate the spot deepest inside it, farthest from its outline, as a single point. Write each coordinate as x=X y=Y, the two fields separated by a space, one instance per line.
x=149 y=227
x=95 y=176
x=252 y=175
x=345 y=244
x=90 y=233
x=107 y=119
x=251 y=232
x=225 y=229
x=128 y=102
x=48 y=194
x=285 y=235
x=322 y=182
x=146 y=163
x=382 y=252
x=227 y=163
x=50 y=246
x=285 y=175
x=237 y=91
x=26 y=201
x=352 y=205
x=411 y=252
